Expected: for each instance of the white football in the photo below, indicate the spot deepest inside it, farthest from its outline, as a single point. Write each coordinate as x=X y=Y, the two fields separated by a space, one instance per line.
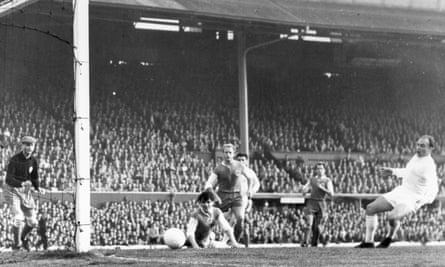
x=174 y=238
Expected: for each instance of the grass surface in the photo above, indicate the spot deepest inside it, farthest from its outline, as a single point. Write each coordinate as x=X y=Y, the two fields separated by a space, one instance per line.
x=332 y=256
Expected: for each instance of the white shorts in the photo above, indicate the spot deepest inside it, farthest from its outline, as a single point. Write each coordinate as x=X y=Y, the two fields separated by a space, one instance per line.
x=401 y=195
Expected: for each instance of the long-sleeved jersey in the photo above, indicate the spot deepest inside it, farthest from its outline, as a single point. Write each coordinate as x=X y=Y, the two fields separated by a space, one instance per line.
x=21 y=169
x=420 y=177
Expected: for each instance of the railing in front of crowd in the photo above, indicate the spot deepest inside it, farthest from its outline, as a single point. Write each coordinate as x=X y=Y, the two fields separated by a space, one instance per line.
x=98 y=198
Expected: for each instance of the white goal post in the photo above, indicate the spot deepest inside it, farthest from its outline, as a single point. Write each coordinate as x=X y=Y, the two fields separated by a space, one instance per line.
x=82 y=123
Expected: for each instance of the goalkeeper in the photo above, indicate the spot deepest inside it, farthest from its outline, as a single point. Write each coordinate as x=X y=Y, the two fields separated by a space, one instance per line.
x=21 y=176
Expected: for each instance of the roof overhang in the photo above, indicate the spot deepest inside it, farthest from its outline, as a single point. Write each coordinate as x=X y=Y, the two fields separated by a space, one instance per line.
x=298 y=13
x=10 y=6
x=353 y=22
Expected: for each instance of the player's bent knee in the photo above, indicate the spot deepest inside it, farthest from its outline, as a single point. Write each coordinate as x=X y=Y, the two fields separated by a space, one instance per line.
x=371 y=209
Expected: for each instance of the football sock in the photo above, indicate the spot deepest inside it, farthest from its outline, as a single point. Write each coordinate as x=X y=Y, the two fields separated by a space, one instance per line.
x=16 y=234
x=371 y=226
x=25 y=231
x=315 y=234
x=238 y=229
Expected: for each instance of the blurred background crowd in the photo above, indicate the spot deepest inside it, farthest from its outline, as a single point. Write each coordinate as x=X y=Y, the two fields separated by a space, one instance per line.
x=162 y=130
x=159 y=145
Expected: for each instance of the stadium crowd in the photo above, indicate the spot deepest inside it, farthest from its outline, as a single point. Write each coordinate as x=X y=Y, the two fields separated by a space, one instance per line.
x=154 y=146
x=152 y=135
x=143 y=223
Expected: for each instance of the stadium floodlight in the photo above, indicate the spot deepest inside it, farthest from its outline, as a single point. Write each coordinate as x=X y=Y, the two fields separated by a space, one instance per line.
x=191 y=29
x=336 y=40
x=330 y=74
x=320 y=39
x=171 y=21
x=156 y=26
x=289 y=37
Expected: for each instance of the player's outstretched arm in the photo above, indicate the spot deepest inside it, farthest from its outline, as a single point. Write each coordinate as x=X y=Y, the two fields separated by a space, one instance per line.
x=330 y=188
x=211 y=182
x=386 y=171
x=254 y=182
x=253 y=187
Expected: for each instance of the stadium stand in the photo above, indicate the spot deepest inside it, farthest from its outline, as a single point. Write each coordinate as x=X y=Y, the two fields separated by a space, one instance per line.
x=153 y=146
x=164 y=134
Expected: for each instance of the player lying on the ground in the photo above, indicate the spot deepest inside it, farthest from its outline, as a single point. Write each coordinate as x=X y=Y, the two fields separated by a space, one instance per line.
x=203 y=219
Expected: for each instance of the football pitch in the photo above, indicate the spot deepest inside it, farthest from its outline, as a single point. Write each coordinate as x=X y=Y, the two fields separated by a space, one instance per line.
x=329 y=256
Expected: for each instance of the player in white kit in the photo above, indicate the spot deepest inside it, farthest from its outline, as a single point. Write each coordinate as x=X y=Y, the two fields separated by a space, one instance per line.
x=419 y=187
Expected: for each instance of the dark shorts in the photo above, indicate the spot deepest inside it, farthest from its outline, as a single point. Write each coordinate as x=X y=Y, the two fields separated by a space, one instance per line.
x=315 y=207
x=230 y=200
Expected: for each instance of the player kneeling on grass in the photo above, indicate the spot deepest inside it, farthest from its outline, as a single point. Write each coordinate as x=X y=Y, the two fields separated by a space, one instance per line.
x=203 y=219
x=419 y=187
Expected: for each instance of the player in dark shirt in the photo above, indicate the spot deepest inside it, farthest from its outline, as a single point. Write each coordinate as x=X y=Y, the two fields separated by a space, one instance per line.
x=228 y=178
x=320 y=186
x=21 y=176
